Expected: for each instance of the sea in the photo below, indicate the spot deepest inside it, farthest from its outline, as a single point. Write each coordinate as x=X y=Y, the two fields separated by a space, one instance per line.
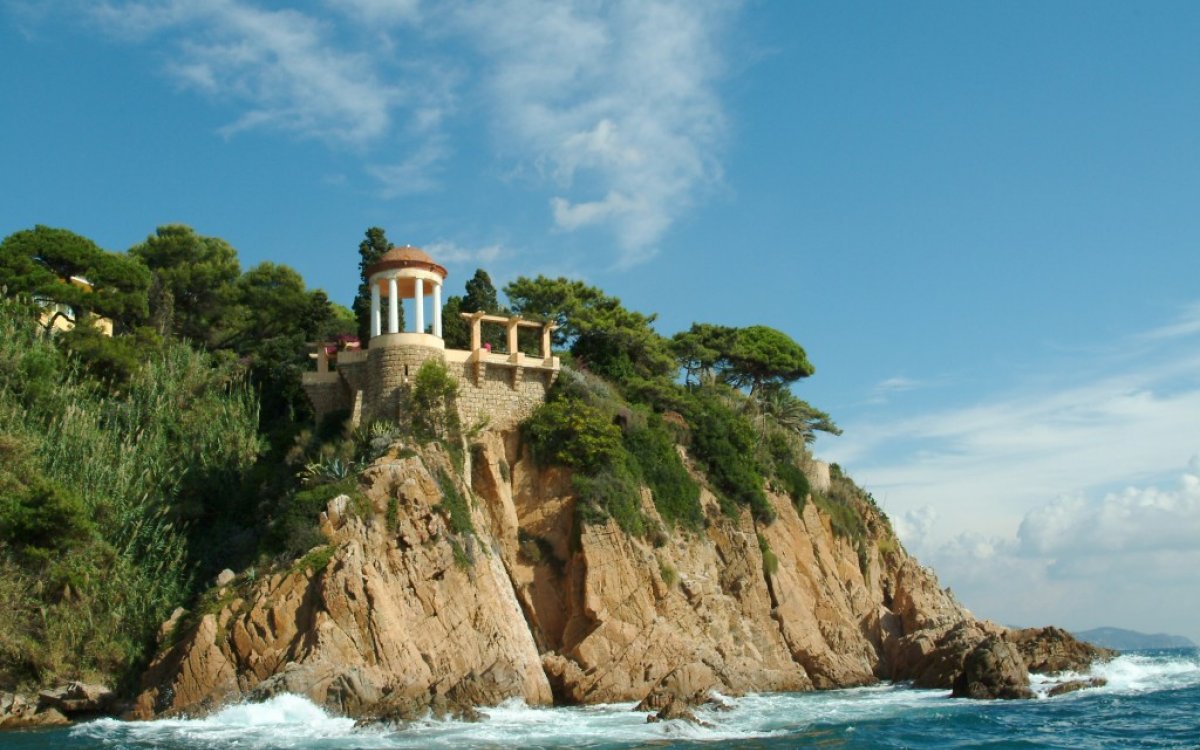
x=1152 y=700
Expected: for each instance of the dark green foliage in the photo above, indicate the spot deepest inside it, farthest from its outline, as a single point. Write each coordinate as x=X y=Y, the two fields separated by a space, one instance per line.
x=112 y=360
x=723 y=442
x=295 y=531
x=42 y=261
x=196 y=276
x=760 y=355
x=603 y=336
x=370 y=250
x=770 y=560
x=432 y=403
x=454 y=505
x=456 y=332
x=481 y=295
x=676 y=495
x=786 y=469
x=136 y=492
x=612 y=492
x=573 y=433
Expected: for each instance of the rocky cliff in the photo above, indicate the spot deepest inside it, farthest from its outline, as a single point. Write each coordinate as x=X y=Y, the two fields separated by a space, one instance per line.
x=399 y=613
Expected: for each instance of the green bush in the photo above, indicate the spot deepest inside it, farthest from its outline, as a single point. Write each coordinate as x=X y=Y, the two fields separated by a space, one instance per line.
x=786 y=469
x=454 y=504
x=611 y=493
x=723 y=442
x=297 y=528
x=770 y=561
x=676 y=495
x=433 y=410
x=572 y=433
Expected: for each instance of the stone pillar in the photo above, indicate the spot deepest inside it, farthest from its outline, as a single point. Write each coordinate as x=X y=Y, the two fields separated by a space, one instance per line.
x=437 y=309
x=547 y=329
x=512 y=335
x=393 y=306
x=419 y=303
x=476 y=332
x=374 y=309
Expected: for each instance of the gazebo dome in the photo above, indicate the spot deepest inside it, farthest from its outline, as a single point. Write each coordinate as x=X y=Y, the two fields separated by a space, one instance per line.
x=405 y=257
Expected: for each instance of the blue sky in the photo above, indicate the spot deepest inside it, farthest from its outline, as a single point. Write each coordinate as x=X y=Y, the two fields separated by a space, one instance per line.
x=981 y=220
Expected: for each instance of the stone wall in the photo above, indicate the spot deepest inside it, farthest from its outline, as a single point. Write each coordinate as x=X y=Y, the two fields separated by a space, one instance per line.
x=328 y=394
x=388 y=370
x=368 y=385
x=495 y=399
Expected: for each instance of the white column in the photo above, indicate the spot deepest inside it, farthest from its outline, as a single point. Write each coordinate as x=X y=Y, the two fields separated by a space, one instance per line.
x=437 y=309
x=374 y=309
x=419 y=305
x=393 y=306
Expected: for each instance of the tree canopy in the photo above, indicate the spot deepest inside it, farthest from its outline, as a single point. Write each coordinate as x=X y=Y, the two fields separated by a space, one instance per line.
x=195 y=281
x=374 y=244
x=43 y=261
x=601 y=333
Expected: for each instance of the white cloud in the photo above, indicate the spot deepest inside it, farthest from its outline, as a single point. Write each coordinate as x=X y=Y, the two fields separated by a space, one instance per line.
x=610 y=108
x=416 y=174
x=1187 y=324
x=387 y=12
x=1055 y=502
x=446 y=251
x=1125 y=558
x=615 y=103
x=983 y=466
x=285 y=67
x=1134 y=520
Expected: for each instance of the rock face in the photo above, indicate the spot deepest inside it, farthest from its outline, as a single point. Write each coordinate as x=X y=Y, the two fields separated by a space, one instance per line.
x=993 y=669
x=388 y=616
x=399 y=614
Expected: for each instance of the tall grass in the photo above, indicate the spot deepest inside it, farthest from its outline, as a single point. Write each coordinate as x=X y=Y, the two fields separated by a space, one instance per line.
x=156 y=463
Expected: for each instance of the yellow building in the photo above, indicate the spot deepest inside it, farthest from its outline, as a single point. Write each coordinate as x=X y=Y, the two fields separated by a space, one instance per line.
x=57 y=316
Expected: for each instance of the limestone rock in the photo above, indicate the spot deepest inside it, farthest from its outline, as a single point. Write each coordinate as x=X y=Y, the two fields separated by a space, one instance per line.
x=993 y=669
x=77 y=698
x=398 y=616
x=1052 y=650
x=406 y=613
x=1071 y=686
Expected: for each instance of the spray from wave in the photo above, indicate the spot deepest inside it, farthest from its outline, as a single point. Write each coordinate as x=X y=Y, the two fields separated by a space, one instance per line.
x=289 y=721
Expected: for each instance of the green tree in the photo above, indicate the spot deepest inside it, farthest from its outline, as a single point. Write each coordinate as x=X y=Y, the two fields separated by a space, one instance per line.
x=42 y=262
x=370 y=250
x=603 y=335
x=700 y=349
x=197 y=277
x=760 y=356
x=481 y=295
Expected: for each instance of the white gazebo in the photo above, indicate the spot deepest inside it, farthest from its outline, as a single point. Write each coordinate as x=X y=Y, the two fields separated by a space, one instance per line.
x=405 y=273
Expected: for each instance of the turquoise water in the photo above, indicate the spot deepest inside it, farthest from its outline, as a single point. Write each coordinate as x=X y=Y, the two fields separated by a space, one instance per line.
x=1152 y=701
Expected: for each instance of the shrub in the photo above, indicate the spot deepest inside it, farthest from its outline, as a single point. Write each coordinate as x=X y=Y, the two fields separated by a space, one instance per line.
x=786 y=468
x=433 y=409
x=572 y=433
x=723 y=441
x=611 y=493
x=770 y=560
x=676 y=494
x=667 y=573
x=454 y=505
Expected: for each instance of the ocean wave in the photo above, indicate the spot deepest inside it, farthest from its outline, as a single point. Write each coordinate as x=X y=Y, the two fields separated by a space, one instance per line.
x=289 y=721
x=1134 y=673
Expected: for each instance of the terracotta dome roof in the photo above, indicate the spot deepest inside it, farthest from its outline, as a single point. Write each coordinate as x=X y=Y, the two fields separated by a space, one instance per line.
x=405 y=257
x=408 y=252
